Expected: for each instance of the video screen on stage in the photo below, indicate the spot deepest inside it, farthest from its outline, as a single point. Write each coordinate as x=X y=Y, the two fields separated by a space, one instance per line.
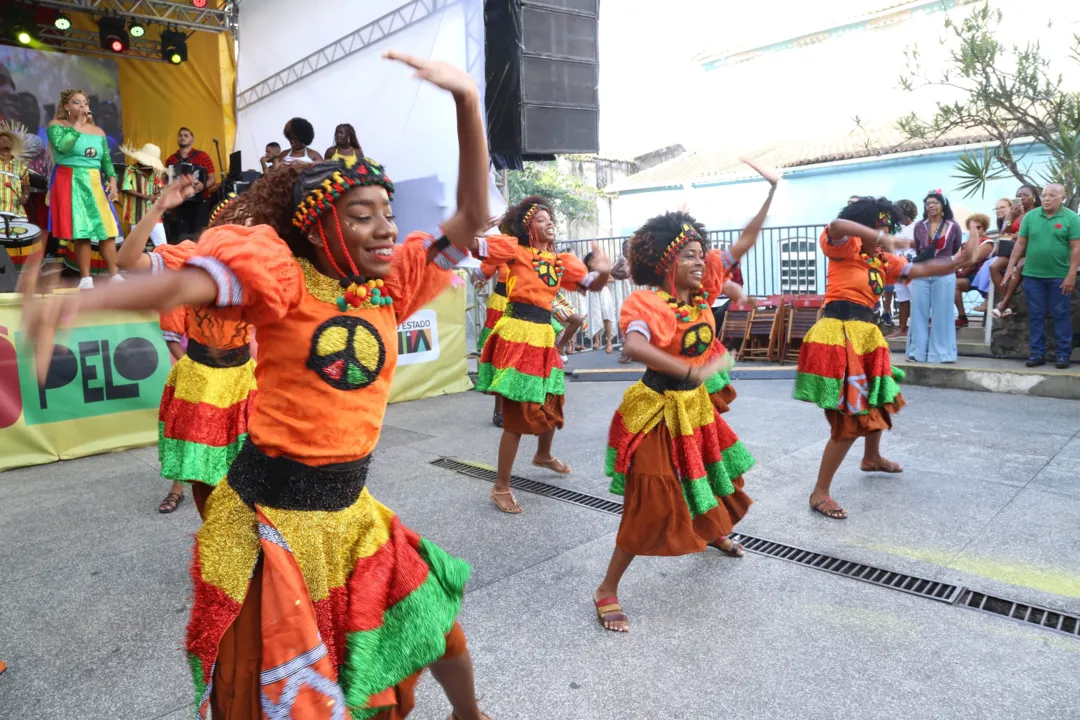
x=30 y=85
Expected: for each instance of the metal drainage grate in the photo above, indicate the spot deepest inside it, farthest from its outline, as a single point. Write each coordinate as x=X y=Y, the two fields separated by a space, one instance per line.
x=924 y=588
x=911 y=584
x=1031 y=614
x=532 y=486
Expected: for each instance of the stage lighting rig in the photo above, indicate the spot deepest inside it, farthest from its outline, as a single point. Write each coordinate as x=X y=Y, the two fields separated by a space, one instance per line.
x=113 y=32
x=199 y=3
x=136 y=29
x=173 y=46
x=62 y=22
x=19 y=24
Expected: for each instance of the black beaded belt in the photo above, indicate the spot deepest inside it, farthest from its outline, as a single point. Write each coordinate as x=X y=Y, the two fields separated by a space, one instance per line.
x=847 y=310
x=500 y=289
x=659 y=382
x=218 y=358
x=279 y=482
x=529 y=313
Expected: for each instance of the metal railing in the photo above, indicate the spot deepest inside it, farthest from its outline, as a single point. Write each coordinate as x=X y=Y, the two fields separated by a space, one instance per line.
x=786 y=260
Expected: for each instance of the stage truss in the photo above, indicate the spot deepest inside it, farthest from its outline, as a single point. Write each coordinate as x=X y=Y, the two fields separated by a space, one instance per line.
x=155 y=12
x=393 y=22
x=88 y=42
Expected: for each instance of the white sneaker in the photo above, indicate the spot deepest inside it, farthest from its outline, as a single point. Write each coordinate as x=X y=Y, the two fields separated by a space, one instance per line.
x=87 y=283
x=116 y=278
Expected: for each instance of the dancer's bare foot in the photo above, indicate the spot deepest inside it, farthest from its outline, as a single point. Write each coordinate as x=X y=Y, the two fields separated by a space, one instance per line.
x=551 y=463
x=880 y=464
x=610 y=612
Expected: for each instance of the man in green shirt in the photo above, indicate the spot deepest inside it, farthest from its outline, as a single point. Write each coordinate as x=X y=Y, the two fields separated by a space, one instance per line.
x=1050 y=237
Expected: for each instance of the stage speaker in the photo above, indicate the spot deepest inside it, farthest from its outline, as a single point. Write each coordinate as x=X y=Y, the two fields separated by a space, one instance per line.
x=541 y=63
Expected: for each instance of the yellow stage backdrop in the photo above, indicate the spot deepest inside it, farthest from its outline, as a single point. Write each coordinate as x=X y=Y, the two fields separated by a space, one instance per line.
x=108 y=372
x=157 y=99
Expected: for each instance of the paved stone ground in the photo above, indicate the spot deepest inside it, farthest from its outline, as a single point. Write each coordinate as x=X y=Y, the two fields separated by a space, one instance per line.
x=94 y=594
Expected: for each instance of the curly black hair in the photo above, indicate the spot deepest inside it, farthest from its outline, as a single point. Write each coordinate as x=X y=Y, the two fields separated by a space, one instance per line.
x=301 y=128
x=513 y=222
x=651 y=240
x=874 y=212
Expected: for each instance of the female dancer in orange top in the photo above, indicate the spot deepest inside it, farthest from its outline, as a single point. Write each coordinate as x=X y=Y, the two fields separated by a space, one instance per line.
x=844 y=363
x=519 y=361
x=312 y=600
x=202 y=421
x=670 y=454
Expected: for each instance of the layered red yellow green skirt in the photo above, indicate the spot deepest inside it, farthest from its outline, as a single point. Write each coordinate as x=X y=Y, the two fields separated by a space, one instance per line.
x=496 y=305
x=352 y=603
x=519 y=362
x=845 y=369
x=79 y=209
x=679 y=467
x=203 y=418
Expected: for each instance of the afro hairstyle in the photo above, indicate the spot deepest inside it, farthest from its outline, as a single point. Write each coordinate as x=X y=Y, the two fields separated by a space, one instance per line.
x=649 y=243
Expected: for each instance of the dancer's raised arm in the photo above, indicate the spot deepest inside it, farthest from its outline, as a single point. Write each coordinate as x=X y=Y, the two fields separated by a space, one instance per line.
x=750 y=233
x=473 y=162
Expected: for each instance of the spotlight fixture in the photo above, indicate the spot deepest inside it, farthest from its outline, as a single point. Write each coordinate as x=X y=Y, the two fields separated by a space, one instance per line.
x=173 y=46
x=113 y=33
x=21 y=24
x=199 y=3
x=62 y=22
x=136 y=29
x=23 y=36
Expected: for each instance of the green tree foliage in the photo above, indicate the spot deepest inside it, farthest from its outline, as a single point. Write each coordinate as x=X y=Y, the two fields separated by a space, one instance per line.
x=1007 y=92
x=572 y=199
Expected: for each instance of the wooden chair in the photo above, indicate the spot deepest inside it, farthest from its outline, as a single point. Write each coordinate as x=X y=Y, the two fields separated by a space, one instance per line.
x=763 y=335
x=801 y=316
x=733 y=330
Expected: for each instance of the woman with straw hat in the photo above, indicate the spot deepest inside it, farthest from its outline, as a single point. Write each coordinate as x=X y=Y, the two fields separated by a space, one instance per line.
x=141 y=185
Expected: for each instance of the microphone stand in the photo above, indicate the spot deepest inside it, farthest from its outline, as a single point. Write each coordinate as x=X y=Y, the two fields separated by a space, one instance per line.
x=220 y=192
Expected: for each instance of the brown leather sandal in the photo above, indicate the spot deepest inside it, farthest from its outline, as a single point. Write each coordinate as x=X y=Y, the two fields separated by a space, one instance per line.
x=830 y=509
x=885 y=466
x=170 y=503
x=729 y=547
x=515 y=507
x=554 y=464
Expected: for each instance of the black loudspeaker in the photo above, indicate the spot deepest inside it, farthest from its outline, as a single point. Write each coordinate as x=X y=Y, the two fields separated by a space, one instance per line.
x=542 y=75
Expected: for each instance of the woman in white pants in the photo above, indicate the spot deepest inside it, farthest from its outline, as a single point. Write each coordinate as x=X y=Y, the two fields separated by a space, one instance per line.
x=932 y=298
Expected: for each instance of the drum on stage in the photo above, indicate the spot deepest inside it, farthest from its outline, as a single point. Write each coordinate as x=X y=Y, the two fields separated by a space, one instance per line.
x=19 y=237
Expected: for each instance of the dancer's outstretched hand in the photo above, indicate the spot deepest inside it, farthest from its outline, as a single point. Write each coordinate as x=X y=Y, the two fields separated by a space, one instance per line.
x=600 y=261
x=175 y=193
x=764 y=171
x=43 y=315
x=444 y=75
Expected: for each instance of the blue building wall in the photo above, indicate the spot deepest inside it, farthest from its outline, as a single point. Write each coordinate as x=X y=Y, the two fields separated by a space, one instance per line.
x=813 y=196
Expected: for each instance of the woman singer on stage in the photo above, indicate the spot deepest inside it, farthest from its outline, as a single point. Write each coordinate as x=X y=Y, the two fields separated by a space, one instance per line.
x=82 y=190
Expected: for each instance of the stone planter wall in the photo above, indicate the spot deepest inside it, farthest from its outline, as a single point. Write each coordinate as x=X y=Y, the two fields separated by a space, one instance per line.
x=1010 y=334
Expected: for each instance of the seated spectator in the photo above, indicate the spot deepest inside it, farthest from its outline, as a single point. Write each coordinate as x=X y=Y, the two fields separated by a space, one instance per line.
x=977 y=226
x=300 y=134
x=1026 y=199
x=346 y=147
x=1050 y=239
x=272 y=156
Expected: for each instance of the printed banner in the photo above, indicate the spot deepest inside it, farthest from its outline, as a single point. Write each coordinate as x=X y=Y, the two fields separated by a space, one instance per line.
x=107 y=374
x=101 y=393
x=431 y=349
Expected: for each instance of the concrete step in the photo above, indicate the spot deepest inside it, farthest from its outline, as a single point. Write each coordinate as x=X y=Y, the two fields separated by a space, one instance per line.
x=964 y=348
x=1003 y=376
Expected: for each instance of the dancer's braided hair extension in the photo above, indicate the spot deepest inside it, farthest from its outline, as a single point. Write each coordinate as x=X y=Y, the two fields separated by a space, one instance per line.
x=650 y=248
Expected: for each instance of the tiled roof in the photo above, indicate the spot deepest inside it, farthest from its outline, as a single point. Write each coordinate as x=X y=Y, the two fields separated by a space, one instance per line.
x=706 y=166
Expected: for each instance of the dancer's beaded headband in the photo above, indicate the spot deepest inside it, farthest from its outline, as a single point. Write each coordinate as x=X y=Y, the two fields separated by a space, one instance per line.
x=319 y=188
x=221 y=206
x=528 y=216
x=688 y=234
